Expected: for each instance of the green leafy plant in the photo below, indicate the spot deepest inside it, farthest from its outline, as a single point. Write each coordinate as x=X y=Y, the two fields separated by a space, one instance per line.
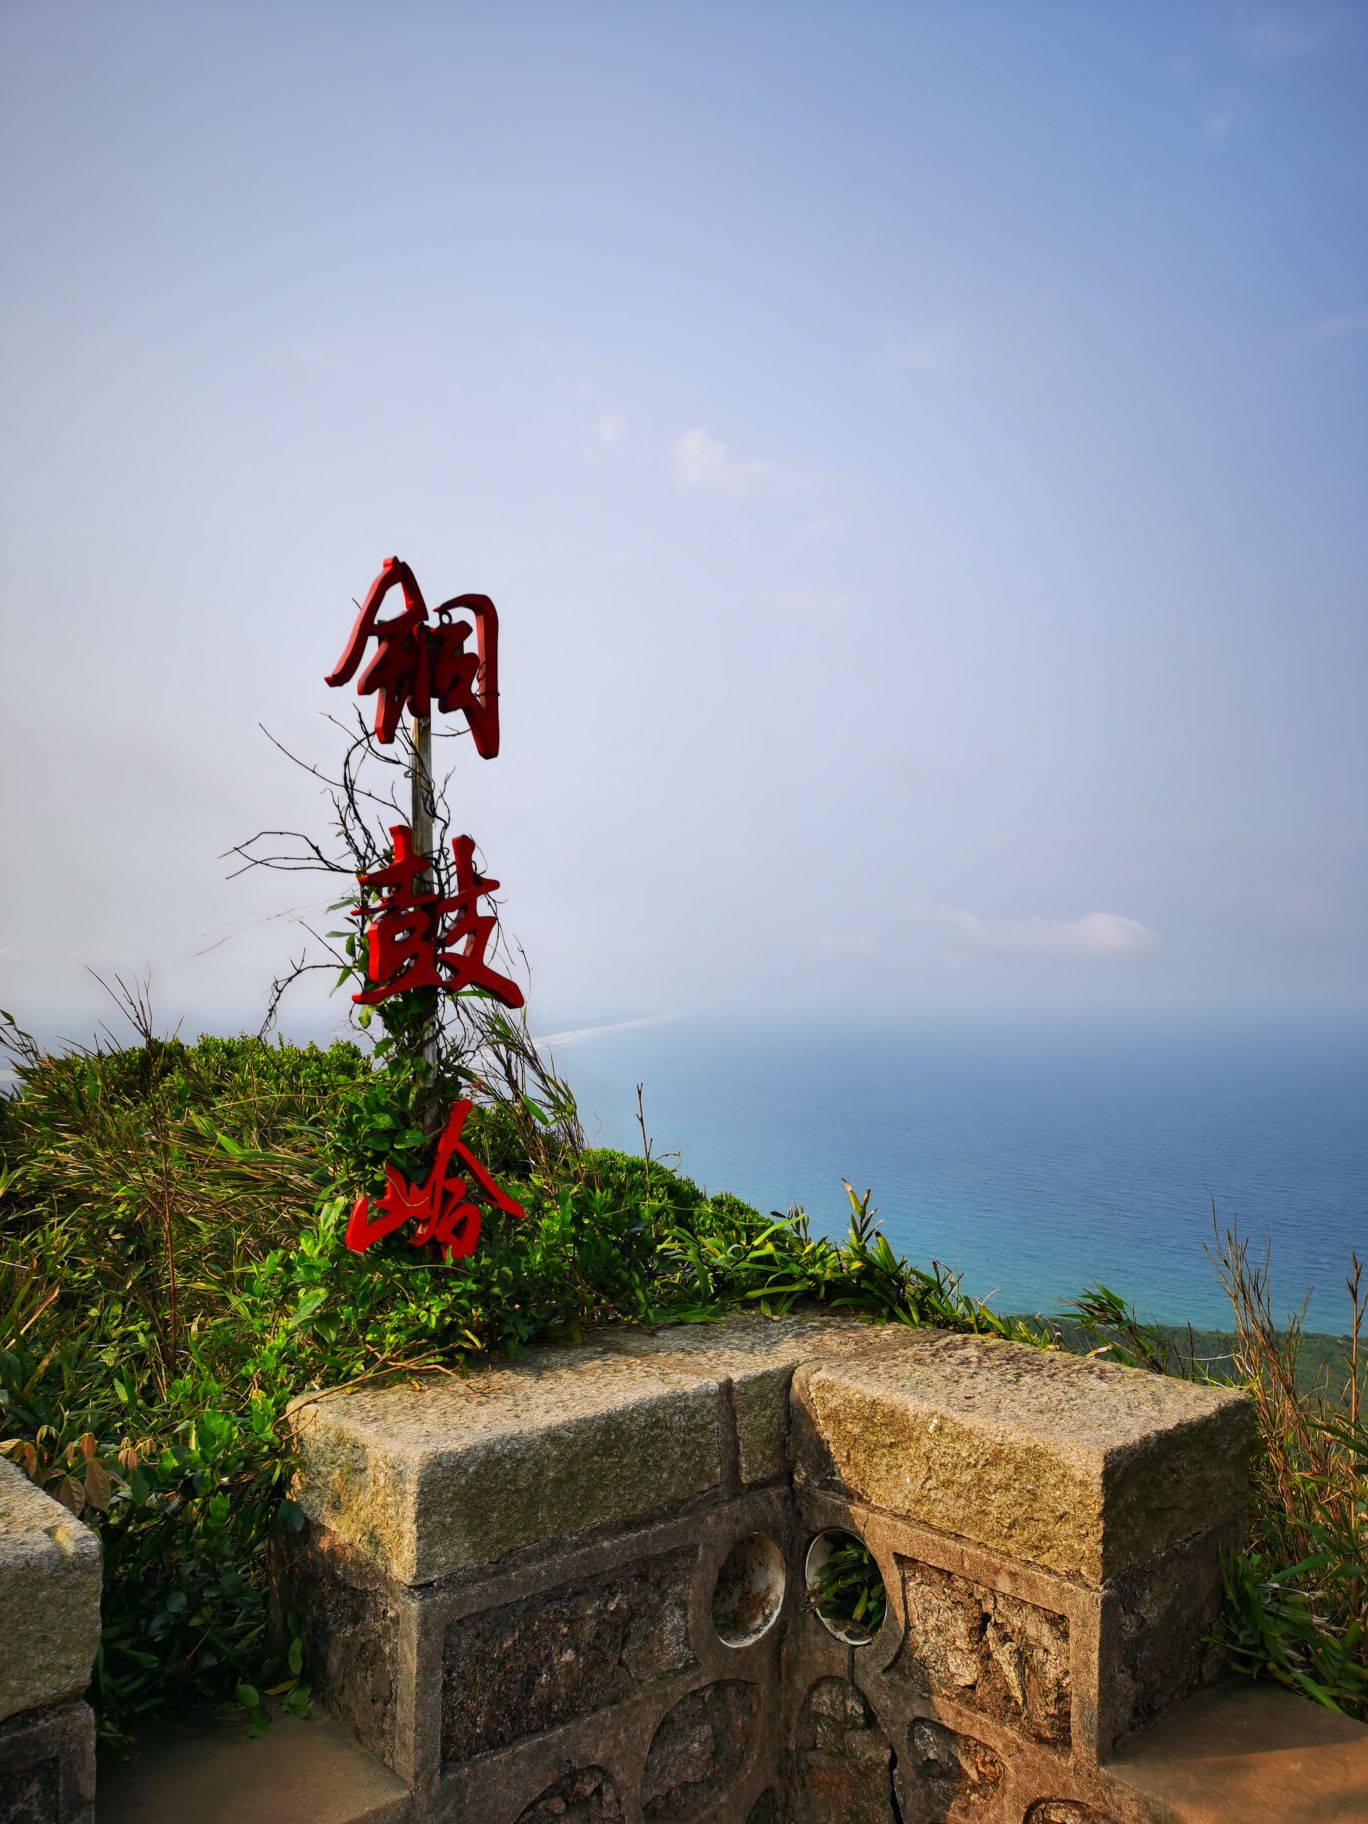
x=847 y=1590
x=1297 y=1595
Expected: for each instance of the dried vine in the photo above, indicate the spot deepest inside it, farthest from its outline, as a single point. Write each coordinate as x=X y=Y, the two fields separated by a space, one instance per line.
x=469 y=1041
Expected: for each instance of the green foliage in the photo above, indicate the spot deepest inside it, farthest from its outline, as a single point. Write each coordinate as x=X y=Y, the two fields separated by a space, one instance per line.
x=173 y=1272
x=847 y=1590
x=1297 y=1595
x=1277 y=1626
x=1100 y=1322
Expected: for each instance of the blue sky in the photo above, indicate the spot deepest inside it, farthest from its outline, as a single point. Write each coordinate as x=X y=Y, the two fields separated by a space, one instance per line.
x=918 y=453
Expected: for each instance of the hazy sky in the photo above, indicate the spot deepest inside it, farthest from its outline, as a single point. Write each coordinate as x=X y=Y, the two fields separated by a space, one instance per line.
x=918 y=453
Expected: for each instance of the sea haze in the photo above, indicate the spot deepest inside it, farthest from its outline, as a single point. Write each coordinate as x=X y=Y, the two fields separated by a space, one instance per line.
x=1035 y=1158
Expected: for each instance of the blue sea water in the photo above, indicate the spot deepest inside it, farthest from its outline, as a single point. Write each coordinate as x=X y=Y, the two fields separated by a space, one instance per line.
x=1034 y=1158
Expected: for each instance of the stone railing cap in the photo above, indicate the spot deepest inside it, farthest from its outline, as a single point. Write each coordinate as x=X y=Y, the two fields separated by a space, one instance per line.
x=49 y=1597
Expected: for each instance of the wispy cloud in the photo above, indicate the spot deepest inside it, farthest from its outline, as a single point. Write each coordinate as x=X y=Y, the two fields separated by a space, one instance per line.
x=704 y=461
x=607 y=426
x=1221 y=119
x=1281 y=36
x=912 y=353
x=808 y=604
x=577 y=1035
x=1334 y=329
x=1092 y=937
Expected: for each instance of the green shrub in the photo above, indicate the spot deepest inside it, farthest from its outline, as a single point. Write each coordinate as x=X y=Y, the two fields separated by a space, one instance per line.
x=173 y=1272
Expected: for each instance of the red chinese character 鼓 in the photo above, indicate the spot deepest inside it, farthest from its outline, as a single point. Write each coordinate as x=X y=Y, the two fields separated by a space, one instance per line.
x=401 y=937
x=413 y=939
x=417 y=663
x=441 y=1207
x=465 y=967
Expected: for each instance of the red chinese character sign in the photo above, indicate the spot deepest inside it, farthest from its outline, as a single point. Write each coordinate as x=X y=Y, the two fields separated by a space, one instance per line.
x=441 y=1206
x=418 y=939
x=417 y=663
x=427 y=931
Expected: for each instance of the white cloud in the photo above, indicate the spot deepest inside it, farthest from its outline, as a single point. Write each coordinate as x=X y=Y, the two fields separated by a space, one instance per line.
x=807 y=604
x=1094 y=936
x=1277 y=37
x=912 y=354
x=607 y=426
x=578 y=1034
x=1334 y=329
x=704 y=461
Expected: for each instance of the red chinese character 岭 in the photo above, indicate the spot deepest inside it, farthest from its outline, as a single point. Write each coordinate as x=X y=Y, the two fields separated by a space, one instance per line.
x=416 y=663
x=441 y=1206
x=417 y=940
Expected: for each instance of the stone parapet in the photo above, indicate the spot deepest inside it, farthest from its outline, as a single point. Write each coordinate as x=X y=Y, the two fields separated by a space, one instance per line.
x=49 y=1597
x=1075 y=1465
x=573 y=1589
x=47 y=1766
x=49 y=1631
x=441 y=1477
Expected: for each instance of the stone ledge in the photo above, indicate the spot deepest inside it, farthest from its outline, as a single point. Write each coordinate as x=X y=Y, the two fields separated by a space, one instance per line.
x=448 y=1475
x=1076 y=1465
x=1246 y=1753
x=297 y=1773
x=444 y=1476
x=49 y=1597
x=757 y=1356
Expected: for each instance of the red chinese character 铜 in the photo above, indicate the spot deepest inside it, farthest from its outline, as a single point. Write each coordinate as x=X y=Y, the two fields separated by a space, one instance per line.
x=442 y=1207
x=416 y=663
x=417 y=940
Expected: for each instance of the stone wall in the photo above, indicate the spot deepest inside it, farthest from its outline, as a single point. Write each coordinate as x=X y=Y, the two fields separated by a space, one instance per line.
x=575 y=1588
x=49 y=1630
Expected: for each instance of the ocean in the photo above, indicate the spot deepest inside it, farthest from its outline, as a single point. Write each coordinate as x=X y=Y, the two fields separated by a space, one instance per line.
x=1035 y=1158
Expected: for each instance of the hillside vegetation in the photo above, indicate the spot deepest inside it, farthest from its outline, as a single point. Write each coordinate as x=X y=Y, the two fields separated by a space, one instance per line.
x=173 y=1271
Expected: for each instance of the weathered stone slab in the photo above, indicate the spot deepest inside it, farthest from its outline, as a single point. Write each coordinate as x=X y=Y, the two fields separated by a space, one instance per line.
x=49 y=1597
x=299 y=1772
x=359 y=1627
x=1244 y=1753
x=950 y=1778
x=842 y=1760
x=991 y=1652
x=1161 y=1639
x=528 y=1666
x=448 y=1474
x=1072 y=1464
x=47 y=1766
x=700 y=1750
x=758 y=1356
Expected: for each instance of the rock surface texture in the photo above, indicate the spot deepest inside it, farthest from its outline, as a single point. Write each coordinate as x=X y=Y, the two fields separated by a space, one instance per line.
x=543 y=1549
x=49 y=1630
x=574 y=1590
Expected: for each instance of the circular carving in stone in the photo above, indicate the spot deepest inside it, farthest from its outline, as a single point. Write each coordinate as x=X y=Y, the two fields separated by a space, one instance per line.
x=844 y=1764
x=845 y=1587
x=749 y=1591
x=700 y=1750
x=586 y=1796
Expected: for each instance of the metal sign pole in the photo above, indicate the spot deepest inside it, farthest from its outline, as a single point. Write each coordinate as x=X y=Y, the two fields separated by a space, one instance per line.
x=421 y=801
